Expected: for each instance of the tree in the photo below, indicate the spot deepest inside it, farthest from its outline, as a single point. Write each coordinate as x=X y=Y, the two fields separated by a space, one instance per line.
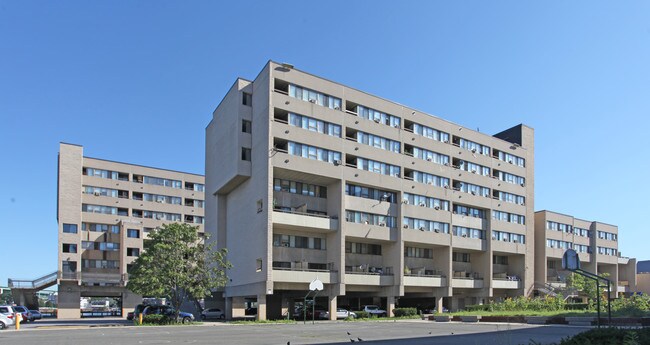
x=176 y=263
x=583 y=284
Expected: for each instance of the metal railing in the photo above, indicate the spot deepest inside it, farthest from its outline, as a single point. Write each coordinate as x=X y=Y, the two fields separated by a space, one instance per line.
x=33 y=284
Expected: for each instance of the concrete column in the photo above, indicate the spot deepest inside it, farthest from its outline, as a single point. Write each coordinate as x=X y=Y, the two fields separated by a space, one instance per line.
x=129 y=301
x=238 y=306
x=69 y=301
x=439 y=305
x=332 y=307
x=228 y=308
x=261 y=307
x=390 y=305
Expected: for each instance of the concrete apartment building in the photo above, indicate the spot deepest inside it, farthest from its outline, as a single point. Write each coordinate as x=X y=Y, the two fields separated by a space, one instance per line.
x=596 y=244
x=105 y=210
x=310 y=179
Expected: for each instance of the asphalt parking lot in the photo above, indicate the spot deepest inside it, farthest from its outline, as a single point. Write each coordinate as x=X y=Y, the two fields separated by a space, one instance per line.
x=412 y=332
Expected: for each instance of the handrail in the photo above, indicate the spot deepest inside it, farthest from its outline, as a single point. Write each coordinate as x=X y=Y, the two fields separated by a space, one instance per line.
x=304 y=270
x=32 y=284
x=302 y=213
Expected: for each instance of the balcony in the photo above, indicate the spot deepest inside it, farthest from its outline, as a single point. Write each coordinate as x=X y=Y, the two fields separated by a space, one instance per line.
x=367 y=278
x=556 y=282
x=422 y=280
x=90 y=278
x=509 y=282
x=463 y=279
x=304 y=221
x=296 y=275
x=467 y=283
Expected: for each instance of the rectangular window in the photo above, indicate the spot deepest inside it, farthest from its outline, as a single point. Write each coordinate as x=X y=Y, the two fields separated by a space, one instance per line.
x=133 y=233
x=247 y=99
x=69 y=248
x=70 y=228
x=132 y=252
x=246 y=126
x=245 y=154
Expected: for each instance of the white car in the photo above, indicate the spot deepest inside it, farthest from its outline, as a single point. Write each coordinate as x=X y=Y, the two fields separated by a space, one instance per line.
x=340 y=314
x=374 y=310
x=213 y=313
x=7 y=316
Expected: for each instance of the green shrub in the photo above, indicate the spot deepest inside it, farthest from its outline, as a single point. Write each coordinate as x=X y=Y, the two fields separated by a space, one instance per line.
x=362 y=314
x=398 y=312
x=608 y=336
x=477 y=307
x=576 y=306
x=155 y=319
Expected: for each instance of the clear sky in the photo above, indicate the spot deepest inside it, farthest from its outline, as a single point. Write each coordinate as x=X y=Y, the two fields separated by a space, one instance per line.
x=137 y=81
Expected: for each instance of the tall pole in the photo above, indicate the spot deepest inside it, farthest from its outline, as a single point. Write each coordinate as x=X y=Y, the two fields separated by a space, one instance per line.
x=598 y=301
x=609 y=305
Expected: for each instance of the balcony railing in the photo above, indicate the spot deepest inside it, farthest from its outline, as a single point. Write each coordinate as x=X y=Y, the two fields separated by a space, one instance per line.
x=279 y=209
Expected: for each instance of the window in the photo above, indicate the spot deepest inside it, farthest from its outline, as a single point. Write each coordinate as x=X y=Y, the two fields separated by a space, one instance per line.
x=362 y=248
x=471 y=188
x=473 y=167
x=426 y=225
x=428 y=155
x=258 y=265
x=314 y=125
x=246 y=126
x=377 y=116
x=378 y=142
x=370 y=193
x=313 y=152
x=510 y=158
x=132 y=252
x=245 y=154
x=292 y=241
x=472 y=146
x=460 y=257
x=70 y=228
x=98 y=209
x=370 y=218
x=468 y=232
x=314 y=97
x=430 y=133
x=415 y=252
x=133 y=233
x=508 y=217
x=247 y=99
x=508 y=237
x=433 y=180
x=499 y=260
x=426 y=201
x=69 y=248
x=469 y=211
x=378 y=167
x=295 y=187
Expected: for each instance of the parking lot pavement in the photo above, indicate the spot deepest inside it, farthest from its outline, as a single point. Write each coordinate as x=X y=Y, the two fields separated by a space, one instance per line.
x=392 y=332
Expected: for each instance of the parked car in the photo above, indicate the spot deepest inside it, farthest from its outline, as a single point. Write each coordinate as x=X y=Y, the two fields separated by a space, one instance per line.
x=340 y=314
x=36 y=315
x=138 y=309
x=213 y=313
x=374 y=310
x=7 y=316
x=27 y=315
x=168 y=311
x=250 y=311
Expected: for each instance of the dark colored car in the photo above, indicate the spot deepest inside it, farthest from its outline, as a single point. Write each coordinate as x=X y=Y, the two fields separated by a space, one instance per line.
x=168 y=311
x=137 y=311
x=27 y=315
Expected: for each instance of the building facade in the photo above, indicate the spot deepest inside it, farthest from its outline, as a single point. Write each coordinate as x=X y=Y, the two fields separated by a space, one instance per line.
x=105 y=210
x=596 y=244
x=310 y=179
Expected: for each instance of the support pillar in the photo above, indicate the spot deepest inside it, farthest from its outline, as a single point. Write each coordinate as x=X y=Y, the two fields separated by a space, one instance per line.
x=228 y=308
x=439 y=305
x=332 y=307
x=390 y=305
x=261 y=307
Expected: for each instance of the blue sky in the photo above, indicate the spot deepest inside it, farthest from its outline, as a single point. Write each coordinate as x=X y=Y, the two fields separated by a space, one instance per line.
x=137 y=81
